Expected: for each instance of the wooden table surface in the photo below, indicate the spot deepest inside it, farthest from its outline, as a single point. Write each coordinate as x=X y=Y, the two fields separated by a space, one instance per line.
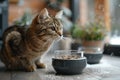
x=108 y=69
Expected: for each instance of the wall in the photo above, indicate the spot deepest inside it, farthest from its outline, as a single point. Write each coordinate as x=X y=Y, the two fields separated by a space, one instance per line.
x=17 y=9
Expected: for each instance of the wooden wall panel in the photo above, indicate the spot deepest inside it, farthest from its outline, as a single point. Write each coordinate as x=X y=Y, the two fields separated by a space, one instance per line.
x=16 y=11
x=102 y=12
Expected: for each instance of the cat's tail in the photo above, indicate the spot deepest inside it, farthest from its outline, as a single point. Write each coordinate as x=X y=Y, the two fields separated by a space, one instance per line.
x=11 y=37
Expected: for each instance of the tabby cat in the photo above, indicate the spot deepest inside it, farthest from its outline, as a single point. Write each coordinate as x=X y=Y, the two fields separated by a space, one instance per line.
x=22 y=49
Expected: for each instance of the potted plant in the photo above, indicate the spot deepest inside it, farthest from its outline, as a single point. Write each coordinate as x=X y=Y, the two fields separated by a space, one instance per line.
x=91 y=35
x=25 y=20
x=92 y=38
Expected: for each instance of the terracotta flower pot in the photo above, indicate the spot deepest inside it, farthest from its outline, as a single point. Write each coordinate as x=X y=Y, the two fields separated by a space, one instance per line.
x=99 y=44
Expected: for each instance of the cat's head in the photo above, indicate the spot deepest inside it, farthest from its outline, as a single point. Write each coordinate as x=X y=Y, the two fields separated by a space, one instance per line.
x=46 y=25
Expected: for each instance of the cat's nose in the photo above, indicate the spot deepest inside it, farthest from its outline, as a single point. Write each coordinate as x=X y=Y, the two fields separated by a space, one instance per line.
x=59 y=33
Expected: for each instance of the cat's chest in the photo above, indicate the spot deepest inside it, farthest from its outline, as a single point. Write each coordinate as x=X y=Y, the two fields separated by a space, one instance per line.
x=47 y=44
x=40 y=46
x=43 y=48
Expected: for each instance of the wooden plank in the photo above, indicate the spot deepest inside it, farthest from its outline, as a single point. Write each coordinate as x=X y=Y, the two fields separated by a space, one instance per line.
x=50 y=74
x=83 y=12
x=108 y=69
x=113 y=60
x=107 y=14
x=102 y=12
x=25 y=76
x=105 y=70
x=4 y=75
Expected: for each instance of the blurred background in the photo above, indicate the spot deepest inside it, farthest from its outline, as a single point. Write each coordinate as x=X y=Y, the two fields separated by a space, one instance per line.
x=83 y=20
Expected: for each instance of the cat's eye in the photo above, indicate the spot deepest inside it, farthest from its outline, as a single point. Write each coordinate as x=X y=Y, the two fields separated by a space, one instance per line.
x=43 y=30
x=53 y=28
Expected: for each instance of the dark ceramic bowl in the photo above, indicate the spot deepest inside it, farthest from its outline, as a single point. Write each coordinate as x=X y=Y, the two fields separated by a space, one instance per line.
x=69 y=66
x=93 y=55
x=93 y=58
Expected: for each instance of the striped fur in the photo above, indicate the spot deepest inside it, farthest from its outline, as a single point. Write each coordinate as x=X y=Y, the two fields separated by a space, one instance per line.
x=22 y=48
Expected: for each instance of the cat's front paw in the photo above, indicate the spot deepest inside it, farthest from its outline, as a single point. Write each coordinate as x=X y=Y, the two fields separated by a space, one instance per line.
x=40 y=65
x=31 y=68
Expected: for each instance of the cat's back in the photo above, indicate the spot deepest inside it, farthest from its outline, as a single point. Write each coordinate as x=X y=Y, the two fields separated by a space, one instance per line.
x=14 y=29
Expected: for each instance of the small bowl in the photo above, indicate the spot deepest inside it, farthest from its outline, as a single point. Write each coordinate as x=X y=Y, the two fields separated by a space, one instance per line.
x=69 y=62
x=93 y=54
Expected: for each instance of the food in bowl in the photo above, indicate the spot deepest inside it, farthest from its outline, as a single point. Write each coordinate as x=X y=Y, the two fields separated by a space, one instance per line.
x=68 y=57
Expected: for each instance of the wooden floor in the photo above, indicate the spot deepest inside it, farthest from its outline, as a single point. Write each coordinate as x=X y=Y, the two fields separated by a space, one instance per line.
x=108 y=69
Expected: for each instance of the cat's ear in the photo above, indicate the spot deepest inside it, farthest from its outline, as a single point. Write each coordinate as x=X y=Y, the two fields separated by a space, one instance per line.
x=43 y=14
x=59 y=14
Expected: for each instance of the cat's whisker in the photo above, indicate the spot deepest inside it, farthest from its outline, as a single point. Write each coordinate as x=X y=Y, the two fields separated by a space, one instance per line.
x=61 y=37
x=58 y=39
